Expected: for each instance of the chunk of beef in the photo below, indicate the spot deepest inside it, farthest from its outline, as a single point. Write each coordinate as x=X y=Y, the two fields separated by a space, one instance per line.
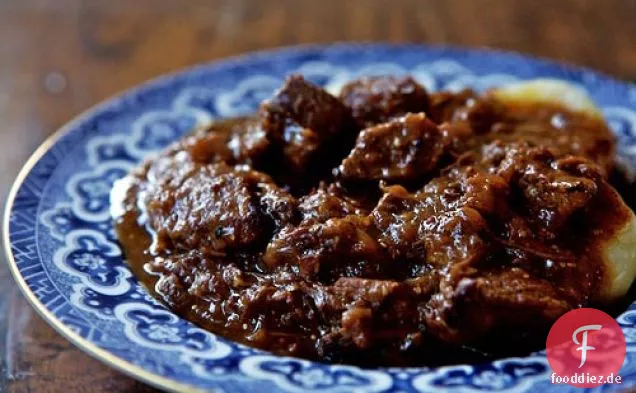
x=169 y=169
x=216 y=207
x=479 y=113
x=365 y=312
x=398 y=216
x=301 y=117
x=234 y=141
x=196 y=274
x=279 y=206
x=375 y=100
x=170 y=287
x=444 y=104
x=404 y=149
x=357 y=326
x=238 y=297
x=329 y=201
x=208 y=148
x=563 y=131
x=553 y=190
x=362 y=301
x=369 y=291
x=439 y=230
x=509 y=301
x=554 y=197
x=340 y=247
x=466 y=185
x=441 y=241
x=443 y=223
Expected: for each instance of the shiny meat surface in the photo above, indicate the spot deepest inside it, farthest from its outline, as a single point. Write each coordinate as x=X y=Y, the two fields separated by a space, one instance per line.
x=303 y=120
x=387 y=226
x=375 y=100
x=403 y=149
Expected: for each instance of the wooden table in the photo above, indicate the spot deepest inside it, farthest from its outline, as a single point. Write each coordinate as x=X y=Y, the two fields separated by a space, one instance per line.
x=59 y=57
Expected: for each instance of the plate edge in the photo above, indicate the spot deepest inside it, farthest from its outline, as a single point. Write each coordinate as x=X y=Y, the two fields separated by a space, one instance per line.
x=81 y=343
x=103 y=355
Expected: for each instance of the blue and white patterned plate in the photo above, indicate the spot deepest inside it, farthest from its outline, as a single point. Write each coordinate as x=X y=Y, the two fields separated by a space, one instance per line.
x=65 y=257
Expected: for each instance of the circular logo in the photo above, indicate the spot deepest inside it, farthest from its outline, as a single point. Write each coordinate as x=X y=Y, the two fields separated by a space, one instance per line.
x=586 y=348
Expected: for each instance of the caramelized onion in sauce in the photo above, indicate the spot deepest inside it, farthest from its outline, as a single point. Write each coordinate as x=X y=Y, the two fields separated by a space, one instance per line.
x=387 y=226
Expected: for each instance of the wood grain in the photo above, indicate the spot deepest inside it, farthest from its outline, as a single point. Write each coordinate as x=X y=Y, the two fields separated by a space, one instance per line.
x=60 y=57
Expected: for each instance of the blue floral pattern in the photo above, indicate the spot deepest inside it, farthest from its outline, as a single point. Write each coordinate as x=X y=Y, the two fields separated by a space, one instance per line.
x=60 y=220
x=304 y=376
x=66 y=251
x=159 y=328
x=247 y=96
x=502 y=376
x=90 y=191
x=89 y=256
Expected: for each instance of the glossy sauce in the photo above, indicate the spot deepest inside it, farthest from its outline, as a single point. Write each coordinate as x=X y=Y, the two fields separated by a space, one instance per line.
x=449 y=236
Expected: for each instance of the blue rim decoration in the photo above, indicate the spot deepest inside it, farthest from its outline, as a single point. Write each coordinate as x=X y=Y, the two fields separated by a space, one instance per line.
x=64 y=253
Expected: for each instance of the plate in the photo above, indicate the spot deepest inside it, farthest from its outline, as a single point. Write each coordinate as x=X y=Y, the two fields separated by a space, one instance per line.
x=64 y=255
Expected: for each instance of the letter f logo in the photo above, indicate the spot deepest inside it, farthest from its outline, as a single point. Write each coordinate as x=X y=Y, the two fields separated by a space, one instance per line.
x=584 y=347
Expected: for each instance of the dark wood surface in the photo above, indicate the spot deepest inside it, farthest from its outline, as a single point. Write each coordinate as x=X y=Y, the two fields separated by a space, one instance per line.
x=59 y=57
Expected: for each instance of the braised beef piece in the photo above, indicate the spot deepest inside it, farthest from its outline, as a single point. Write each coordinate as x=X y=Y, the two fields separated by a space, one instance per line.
x=489 y=120
x=552 y=190
x=238 y=296
x=215 y=207
x=403 y=149
x=421 y=225
x=514 y=211
x=444 y=104
x=330 y=201
x=453 y=221
x=303 y=118
x=479 y=113
x=302 y=316
x=339 y=247
x=494 y=305
x=377 y=99
x=367 y=312
x=563 y=132
x=237 y=141
x=412 y=228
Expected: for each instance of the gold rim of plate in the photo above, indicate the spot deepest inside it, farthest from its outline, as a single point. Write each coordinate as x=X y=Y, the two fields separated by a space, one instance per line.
x=83 y=344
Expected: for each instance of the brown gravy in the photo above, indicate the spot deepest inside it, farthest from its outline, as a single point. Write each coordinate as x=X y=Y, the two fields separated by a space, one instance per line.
x=388 y=226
